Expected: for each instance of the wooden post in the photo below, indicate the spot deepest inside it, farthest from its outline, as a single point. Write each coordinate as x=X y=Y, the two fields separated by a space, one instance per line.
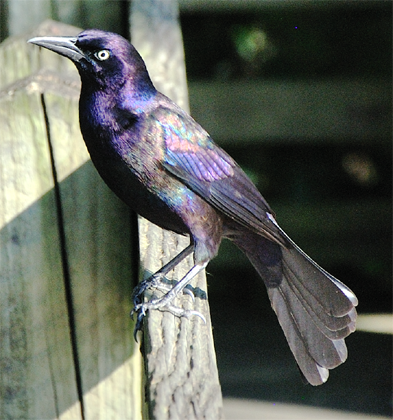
x=180 y=363
x=66 y=264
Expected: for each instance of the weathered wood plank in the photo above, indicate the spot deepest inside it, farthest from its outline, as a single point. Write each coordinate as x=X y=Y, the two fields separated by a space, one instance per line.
x=23 y=60
x=35 y=353
x=181 y=372
x=65 y=245
x=98 y=244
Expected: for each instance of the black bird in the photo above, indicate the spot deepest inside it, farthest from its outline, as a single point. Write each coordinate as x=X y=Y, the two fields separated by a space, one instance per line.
x=166 y=167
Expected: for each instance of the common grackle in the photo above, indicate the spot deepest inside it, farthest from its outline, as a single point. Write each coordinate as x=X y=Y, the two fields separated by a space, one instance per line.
x=166 y=167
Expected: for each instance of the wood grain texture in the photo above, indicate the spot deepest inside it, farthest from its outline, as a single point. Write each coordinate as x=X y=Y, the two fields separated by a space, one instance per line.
x=66 y=258
x=98 y=251
x=180 y=364
x=36 y=352
x=24 y=60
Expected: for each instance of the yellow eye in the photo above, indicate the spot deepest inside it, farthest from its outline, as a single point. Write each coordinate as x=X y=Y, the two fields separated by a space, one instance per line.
x=102 y=55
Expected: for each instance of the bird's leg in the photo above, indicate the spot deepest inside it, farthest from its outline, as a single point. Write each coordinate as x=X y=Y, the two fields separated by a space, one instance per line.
x=165 y=303
x=155 y=280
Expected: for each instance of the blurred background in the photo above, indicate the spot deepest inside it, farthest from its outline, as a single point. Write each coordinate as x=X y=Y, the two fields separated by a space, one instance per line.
x=299 y=93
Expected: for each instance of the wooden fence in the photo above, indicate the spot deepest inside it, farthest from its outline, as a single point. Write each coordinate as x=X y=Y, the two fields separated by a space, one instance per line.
x=69 y=255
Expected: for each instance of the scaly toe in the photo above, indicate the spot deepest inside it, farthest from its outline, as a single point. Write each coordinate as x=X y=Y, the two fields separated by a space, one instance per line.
x=153 y=282
x=164 y=306
x=180 y=312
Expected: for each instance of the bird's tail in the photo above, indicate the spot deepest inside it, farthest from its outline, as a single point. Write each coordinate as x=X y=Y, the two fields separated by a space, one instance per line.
x=315 y=310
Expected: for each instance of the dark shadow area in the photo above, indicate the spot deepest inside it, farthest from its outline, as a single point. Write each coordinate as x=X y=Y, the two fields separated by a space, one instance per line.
x=255 y=362
x=290 y=41
x=332 y=195
x=345 y=225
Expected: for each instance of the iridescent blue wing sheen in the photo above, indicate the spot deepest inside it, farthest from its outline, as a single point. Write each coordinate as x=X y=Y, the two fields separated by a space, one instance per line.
x=191 y=155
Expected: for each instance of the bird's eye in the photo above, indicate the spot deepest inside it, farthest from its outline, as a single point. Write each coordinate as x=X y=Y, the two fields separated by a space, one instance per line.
x=102 y=55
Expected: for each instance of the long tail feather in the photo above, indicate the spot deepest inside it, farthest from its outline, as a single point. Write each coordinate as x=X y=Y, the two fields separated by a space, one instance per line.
x=315 y=310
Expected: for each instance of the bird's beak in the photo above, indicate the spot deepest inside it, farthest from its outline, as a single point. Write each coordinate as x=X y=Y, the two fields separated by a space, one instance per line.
x=63 y=45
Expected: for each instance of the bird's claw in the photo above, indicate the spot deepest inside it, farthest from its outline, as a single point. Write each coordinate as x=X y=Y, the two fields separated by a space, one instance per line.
x=189 y=292
x=165 y=302
x=162 y=305
x=155 y=282
x=139 y=321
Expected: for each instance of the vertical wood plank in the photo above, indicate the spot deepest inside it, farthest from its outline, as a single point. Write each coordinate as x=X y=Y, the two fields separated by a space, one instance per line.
x=78 y=236
x=99 y=254
x=23 y=59
x=35 y=353
x=180 y=363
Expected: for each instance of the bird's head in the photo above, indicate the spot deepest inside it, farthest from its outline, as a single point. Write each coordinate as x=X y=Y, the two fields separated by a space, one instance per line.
x=102 y=57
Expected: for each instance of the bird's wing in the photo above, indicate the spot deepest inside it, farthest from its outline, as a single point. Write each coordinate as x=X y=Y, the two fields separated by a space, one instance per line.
x=192 y=156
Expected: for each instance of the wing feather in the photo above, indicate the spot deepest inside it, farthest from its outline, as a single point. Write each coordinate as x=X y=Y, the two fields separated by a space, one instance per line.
x=192 y=156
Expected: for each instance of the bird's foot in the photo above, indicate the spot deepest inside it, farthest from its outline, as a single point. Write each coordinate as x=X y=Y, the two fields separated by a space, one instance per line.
x=163 y=304
x=155 y=282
